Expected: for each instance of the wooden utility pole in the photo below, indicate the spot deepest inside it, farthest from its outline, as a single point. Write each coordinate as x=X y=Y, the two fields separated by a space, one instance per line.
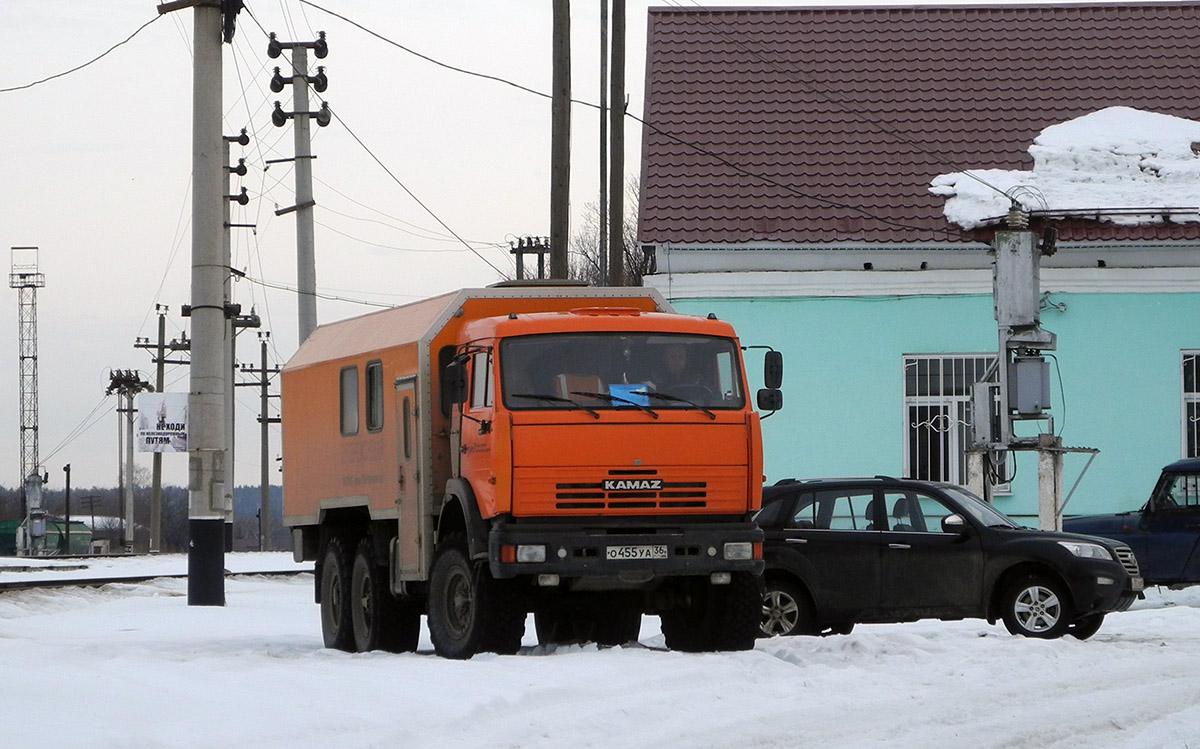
x=560 y=141
x=616 y=172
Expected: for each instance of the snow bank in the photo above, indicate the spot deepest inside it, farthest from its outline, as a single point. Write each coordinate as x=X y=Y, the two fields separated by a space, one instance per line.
x=1116 y=158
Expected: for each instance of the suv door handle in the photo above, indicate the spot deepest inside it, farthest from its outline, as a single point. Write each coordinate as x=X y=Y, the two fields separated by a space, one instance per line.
x=899 y=546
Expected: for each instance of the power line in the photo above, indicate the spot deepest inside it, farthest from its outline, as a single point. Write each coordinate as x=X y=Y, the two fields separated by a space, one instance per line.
x=84 y=65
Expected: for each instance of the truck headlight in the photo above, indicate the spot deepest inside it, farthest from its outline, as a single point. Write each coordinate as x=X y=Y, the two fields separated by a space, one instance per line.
x=1085 y=550
x=531 y=553
x=739 y=551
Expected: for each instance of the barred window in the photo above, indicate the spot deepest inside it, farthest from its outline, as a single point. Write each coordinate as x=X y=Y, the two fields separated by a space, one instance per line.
x=937 y=414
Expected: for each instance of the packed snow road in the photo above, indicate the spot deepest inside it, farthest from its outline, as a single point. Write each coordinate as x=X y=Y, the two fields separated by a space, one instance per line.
x=131 y=665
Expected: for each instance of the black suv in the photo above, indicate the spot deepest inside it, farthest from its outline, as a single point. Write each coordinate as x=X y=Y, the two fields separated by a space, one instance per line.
x=845 y=551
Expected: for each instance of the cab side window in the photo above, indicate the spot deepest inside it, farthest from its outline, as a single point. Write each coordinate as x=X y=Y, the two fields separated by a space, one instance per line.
x=481 y=379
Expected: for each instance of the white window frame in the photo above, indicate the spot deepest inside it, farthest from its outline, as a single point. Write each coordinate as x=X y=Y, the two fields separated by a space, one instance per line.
x=1189 y=403
x=954 y=408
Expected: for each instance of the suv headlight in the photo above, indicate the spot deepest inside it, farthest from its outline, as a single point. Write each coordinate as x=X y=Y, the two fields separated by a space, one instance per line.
x=1085 y=550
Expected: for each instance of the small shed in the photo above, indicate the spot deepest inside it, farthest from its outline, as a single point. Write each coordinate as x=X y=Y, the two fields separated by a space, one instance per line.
x=57 y=534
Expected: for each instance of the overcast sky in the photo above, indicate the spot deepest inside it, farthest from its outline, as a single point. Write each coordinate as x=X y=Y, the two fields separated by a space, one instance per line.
x=98 y=163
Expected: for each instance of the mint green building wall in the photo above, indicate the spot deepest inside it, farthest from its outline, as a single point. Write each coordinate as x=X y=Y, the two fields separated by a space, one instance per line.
x=843 y=415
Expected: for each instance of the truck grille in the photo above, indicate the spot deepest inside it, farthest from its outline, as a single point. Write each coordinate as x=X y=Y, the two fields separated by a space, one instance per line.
x=1128 y=560
x=631 y=489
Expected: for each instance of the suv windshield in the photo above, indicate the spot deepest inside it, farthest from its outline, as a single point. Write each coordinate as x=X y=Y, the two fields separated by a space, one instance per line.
x=978 y=509
x=620 y=370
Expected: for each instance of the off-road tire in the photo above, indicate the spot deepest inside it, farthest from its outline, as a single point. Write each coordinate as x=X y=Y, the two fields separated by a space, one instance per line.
x=380 y=620
x=337 y=629
x=719 y=617
x=469 y=611
x=1036 y=606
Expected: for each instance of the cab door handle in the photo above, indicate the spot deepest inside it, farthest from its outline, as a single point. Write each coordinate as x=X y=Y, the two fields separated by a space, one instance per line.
x=795 y=540
x=899 y=546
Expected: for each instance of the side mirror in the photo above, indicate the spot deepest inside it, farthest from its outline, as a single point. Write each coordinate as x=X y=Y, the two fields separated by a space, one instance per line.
x=770 y=399
x=954 y=524
x=773 y=369
x=454 y=381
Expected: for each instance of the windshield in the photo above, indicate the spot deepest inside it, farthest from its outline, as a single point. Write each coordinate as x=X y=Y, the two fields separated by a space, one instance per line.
x=978 y=509
x=620 y=370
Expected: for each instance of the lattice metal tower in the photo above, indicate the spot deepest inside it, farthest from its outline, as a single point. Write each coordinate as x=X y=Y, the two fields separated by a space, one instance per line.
x=27 y=280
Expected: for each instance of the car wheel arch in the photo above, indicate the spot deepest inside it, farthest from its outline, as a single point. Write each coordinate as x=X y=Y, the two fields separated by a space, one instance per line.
x=776 y=574
x=1016 y=571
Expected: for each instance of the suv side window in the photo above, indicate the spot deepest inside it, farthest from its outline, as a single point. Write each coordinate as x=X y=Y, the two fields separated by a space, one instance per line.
x=847 y=510
x=806 y=513
x=911 y=511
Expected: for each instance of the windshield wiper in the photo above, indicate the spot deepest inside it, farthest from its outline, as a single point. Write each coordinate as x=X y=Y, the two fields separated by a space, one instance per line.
x=555 y=399
x=674 y=399
x=614 y=399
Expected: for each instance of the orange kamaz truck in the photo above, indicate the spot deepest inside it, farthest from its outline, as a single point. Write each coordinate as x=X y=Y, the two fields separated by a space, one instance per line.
x=584 y=454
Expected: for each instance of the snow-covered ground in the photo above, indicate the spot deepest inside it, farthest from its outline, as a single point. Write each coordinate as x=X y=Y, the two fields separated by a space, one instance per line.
x=134 y=666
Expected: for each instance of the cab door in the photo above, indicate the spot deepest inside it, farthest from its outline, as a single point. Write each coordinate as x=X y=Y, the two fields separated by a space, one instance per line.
x=412 y=532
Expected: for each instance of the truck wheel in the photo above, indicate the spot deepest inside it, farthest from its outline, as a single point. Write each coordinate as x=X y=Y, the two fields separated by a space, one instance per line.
x=719 y=617
x=1085 y=627
x=786 y=610
x=380 y=620
x=337 y=629
x=469 y=611
x=736 y=611
x=1036 y=606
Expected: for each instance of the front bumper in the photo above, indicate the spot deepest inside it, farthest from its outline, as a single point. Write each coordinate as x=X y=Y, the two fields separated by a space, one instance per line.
x=574 y=552
x=1101 y=587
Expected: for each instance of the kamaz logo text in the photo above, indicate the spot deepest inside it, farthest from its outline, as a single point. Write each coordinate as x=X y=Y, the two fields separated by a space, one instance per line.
x=616 y=485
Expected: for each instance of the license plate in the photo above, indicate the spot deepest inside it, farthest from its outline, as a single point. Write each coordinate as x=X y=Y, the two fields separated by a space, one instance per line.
x=1137 y=583
x=652 y=551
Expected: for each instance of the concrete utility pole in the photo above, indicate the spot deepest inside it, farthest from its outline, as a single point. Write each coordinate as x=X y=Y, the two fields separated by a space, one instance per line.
x=616 y=172
x=209 y=499
x=26 y=279
x=560 y=141
x=306 y=268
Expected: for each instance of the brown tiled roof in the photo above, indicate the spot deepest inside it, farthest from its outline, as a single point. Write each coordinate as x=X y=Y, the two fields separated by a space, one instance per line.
x=775 y=125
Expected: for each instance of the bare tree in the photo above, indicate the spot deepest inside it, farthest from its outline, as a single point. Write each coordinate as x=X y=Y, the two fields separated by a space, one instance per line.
x=585 y=242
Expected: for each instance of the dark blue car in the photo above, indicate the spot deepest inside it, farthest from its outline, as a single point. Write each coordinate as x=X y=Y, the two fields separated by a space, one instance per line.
x=1165 y=533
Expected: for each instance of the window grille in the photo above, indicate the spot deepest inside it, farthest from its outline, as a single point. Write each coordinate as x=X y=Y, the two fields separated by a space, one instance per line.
x=937 y=414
